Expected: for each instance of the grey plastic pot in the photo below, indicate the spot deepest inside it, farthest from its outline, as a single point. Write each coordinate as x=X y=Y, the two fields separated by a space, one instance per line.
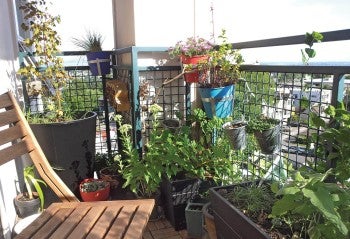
x=269 y=140
x=236 y=133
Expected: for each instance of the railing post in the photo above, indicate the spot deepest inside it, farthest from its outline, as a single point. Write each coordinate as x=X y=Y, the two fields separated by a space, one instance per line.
x=338 y=89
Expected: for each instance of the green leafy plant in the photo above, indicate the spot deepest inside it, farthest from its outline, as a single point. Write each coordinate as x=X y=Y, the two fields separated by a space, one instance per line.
x=261 y=123
x=310 y=39
x=223 y=65
x=91 y=42
x=93 y=185
x=29 y=180
x=142 y=174
x=44 y=41
x=312 y=206
x=334 y=143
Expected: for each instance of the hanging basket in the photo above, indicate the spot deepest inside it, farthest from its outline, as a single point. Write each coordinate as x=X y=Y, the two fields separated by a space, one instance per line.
x=218 y=101
x=269 y=140
x=236 y=133
x=99 y=62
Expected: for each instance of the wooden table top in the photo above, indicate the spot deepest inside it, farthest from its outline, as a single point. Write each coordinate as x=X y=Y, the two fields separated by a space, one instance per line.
x=102 y=219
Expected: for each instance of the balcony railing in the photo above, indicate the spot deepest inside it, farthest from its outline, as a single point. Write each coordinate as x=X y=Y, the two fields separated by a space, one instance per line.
x=287 y=92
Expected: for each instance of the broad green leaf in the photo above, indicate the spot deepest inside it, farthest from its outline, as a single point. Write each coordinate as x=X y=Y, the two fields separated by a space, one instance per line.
x=322 y=200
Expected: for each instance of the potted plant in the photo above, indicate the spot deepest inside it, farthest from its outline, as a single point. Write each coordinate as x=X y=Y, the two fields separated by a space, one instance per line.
x=94 y=189
x=99 y=61
x=55 y=122
x=236 y=133
x=108 y=168
x=192 y=52
x=30 y=202
x=221 y=73
x=267 y=131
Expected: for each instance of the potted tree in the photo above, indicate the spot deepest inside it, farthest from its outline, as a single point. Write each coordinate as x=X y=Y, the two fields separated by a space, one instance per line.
x=221 y=73
x=55 y=124
x=267 y=131
x=30 y=202
x=94 y=190
x=99 y=61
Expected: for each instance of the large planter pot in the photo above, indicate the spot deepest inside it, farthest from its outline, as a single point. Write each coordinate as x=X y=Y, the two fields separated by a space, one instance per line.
x=70 y=149
x=26 y=207
x=194 y=219
x=236 y=133
x=230 y=222
x=98 y=193
x=209 y=221
x=269 y=140
x=193 y=77
x=175 y=196
x=99 y=62
x=218 y=101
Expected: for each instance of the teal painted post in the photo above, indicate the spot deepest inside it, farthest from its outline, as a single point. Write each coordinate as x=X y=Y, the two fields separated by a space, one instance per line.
x=338 y=89
x=136 y=110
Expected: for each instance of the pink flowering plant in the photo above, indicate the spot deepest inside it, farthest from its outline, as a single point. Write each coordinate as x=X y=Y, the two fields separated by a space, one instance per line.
x=193 y=46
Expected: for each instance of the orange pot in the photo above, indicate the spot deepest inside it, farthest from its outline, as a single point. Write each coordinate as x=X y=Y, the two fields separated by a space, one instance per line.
x=99 y=194
x=193 y=77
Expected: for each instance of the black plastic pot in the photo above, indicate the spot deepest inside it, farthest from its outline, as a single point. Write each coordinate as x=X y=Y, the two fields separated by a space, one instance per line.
x=171 y=124
x=70 y=149
x=269 y=140
x=236 y=133
x=230 y=222
x=176 y=194
x=26 y=207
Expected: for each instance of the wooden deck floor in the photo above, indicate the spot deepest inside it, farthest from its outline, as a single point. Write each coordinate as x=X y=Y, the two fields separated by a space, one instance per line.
x=162 y=229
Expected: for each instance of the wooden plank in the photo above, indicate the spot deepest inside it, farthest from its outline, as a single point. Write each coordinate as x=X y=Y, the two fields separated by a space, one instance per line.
x=105 y=222
x=10 y=134
x=122 y=222
x=8 y=117
x=44 y=217
x=71 y=222
x=15 y=151
x=139 y=222
x=5 y=101
x=88 y=221
x=55 y=221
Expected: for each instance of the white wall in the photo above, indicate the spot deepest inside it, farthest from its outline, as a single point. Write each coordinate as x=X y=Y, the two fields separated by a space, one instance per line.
x=8 y=67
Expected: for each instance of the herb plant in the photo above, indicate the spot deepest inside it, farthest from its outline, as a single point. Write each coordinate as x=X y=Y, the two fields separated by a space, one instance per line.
x=29 y=179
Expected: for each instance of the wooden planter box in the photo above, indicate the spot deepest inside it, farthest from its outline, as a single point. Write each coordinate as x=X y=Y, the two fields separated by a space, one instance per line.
x=230 y=222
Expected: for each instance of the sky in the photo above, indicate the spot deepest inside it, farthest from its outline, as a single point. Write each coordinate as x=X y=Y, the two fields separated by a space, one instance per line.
x=243 y=20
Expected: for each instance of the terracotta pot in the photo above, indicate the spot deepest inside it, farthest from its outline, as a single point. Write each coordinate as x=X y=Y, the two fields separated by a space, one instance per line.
x=100 y=194
x=193 y=77
x=110 y=176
